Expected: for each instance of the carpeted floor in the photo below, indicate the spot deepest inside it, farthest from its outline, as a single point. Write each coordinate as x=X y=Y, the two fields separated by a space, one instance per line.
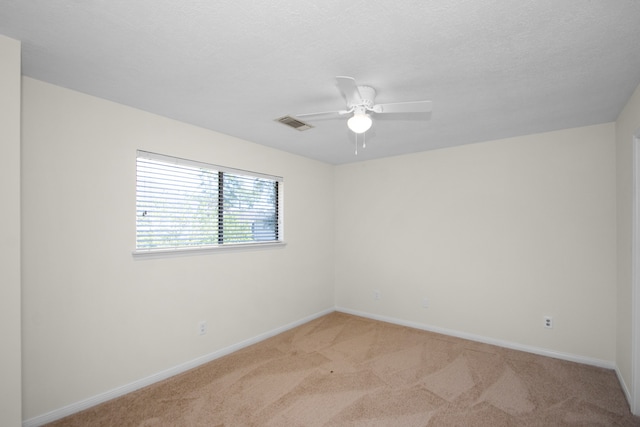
x=342 y=370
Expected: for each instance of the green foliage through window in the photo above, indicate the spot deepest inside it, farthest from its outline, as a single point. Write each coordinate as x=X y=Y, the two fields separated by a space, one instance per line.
x=182 y=203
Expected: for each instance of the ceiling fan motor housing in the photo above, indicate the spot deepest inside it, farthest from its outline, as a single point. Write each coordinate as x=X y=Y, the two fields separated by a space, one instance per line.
x=368 y=95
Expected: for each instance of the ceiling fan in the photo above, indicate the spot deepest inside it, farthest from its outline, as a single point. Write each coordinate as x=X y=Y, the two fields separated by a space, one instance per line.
x=361 y=102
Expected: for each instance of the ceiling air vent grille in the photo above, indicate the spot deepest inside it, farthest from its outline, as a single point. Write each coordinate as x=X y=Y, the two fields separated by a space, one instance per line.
x=294 y=123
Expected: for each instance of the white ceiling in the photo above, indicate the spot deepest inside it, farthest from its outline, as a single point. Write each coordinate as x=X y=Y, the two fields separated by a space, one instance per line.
x=493 y=68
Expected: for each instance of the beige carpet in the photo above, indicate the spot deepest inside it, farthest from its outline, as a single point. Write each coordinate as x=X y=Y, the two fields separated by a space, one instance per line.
x=342 y=370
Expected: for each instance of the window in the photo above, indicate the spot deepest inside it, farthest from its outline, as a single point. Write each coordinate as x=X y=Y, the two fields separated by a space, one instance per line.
x=182 y=204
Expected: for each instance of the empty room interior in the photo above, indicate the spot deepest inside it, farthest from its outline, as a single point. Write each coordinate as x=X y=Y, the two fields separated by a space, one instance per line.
x=490 y=197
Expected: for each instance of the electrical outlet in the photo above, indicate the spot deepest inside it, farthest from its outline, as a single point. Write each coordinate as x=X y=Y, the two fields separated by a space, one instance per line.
x=376 y=295
x=548 y=322
x=202 y=327
x=425 y=303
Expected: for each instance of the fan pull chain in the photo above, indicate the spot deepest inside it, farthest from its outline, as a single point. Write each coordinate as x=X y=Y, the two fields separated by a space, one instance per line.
x=364 y=141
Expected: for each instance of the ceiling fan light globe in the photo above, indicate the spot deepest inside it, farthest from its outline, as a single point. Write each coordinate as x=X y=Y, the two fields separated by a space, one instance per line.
x=360 y=123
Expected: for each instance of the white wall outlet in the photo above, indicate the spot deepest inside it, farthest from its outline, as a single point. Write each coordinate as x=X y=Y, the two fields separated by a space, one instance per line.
x=376 y=295
x=202 y=327
x=425 y=303
x=548 y=322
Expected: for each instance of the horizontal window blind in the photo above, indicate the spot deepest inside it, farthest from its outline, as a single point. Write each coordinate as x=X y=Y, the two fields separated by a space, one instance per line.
x=183 y=204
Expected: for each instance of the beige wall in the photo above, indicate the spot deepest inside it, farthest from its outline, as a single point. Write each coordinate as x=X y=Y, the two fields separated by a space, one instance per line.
x=496 y=235
x=95 y=318
x=627 y=125
x=10 y=369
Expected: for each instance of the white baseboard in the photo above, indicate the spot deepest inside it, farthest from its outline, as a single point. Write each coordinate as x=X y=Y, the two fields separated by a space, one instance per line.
x=486 y=340
x=159 y=376
x=625 y=388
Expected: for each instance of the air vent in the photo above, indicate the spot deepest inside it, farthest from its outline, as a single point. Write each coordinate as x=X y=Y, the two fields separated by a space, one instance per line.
x=294 y=123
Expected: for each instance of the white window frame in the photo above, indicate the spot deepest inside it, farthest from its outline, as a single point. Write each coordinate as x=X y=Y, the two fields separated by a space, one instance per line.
x=200 y=250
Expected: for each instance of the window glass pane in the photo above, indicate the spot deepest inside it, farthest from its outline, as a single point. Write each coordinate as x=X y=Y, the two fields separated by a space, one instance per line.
x=181 y=204
x=250 y=212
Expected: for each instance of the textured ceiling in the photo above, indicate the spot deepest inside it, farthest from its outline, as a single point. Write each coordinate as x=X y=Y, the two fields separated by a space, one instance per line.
x=493 y=69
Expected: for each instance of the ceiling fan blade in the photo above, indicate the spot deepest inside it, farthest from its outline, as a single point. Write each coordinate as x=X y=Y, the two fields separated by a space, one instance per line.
x=325 y=113
x=403 y=107
x=349 y=89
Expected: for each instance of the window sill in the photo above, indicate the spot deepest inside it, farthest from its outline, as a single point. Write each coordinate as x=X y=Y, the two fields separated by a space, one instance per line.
x=203 y=250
